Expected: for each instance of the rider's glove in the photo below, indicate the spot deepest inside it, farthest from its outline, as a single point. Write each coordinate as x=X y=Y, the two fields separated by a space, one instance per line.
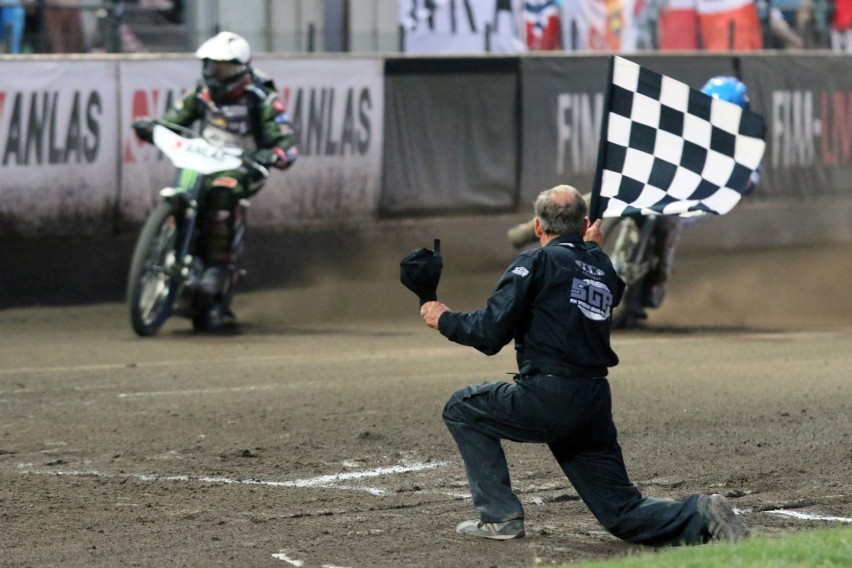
x=267 y=158
x=144 y=128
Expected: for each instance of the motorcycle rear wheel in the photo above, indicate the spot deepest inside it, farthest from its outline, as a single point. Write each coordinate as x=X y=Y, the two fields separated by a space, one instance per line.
x=621 y=241
x=154 y=280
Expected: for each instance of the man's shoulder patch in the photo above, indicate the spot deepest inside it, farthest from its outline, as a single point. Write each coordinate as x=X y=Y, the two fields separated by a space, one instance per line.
x=520 y=271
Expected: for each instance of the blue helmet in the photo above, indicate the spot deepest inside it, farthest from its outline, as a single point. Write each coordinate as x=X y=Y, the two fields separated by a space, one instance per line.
x=728 y=89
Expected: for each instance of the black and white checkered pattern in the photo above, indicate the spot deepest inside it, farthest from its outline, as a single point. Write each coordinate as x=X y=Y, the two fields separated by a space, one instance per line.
x=673 y=150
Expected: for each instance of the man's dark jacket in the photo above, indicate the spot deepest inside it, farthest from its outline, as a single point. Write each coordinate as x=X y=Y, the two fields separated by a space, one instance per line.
x=555 y=302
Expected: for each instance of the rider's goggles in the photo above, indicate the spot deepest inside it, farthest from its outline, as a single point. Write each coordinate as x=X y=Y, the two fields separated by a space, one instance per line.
x=223 y=70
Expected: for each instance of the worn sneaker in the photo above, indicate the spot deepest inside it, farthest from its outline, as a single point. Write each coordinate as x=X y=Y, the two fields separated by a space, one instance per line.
x=497 y=531
x=722 y=522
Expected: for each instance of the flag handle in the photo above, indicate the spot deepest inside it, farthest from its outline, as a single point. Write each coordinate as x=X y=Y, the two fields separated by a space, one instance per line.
x=594 y=206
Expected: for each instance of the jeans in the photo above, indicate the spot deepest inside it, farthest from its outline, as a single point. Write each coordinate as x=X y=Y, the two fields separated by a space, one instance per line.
x=12 y=20
x=574 y=418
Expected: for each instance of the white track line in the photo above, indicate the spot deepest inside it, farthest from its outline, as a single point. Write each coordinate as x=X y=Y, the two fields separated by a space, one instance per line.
x=282 y=556
x=324 y=481
x=808 y=516
x=333 y=481
x=195 y=391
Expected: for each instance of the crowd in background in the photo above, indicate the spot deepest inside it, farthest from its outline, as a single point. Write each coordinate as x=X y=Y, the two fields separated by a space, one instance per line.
x=77 y=26
x=718 y=25
x=73 y=26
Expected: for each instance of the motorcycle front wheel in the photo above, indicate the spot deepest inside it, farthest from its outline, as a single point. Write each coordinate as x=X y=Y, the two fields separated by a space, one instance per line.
x=154 y=279
x=622 y=243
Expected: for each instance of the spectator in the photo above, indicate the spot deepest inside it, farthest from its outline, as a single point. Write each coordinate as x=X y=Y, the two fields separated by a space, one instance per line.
x=12 y=27
x=732 y=25
x=841 y=32
x=63 y=26
x=783 y=35
x=677 y=24
x=806 y=19
x=542 y=22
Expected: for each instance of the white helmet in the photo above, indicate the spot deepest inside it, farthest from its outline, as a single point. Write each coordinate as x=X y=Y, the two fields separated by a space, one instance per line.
x=225 y=46
x=225 y=64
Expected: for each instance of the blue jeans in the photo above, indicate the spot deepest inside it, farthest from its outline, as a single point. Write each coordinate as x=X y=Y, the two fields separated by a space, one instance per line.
x=574 y=418
x=12 y=22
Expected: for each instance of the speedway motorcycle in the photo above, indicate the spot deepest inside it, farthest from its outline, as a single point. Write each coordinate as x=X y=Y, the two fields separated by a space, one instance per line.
x=167 y=266
x=632 y=245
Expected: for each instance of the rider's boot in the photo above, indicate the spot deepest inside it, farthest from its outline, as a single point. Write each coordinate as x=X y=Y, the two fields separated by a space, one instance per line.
x=212 y=282
x=186 y=294
x=218 y=255
x=654 y=296
x=667 y=232
x=213 y=299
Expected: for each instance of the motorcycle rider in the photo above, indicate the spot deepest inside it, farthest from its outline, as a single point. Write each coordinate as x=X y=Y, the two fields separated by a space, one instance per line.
x=667 y=228
x=237 y=106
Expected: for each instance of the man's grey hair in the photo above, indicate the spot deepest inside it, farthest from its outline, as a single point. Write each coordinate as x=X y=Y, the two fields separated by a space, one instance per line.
x=561 y=210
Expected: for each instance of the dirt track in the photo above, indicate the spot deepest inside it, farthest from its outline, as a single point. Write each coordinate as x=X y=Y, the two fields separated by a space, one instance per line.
x=314 y=435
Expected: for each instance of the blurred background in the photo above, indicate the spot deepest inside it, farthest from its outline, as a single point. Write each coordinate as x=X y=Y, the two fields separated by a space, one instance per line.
x=417 y=26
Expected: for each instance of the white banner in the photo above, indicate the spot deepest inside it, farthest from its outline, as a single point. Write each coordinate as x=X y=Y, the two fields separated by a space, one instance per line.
x=462 y=26
x=337 y=110
x=148 y=88
x=58 y=147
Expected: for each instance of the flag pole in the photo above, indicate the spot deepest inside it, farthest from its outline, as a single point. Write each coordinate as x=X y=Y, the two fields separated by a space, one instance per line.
x=594 y=213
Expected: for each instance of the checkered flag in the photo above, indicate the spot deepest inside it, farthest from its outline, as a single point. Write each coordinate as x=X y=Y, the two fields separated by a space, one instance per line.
x=671 y=150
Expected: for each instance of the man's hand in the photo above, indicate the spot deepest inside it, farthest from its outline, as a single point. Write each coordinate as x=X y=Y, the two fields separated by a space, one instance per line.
x=431 y=312
x=593 y=233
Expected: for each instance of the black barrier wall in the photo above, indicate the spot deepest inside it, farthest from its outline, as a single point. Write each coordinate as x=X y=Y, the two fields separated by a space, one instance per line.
x=451 y=136
x=450 y=125
x=807 y=102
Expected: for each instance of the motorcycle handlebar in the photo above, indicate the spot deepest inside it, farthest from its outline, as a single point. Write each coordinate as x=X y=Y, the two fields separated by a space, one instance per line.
x=176 y=128
x=255 y=166
x=249 y=162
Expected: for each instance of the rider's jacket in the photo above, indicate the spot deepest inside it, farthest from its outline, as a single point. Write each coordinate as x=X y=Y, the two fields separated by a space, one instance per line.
x=252 y=119
x=556 y=303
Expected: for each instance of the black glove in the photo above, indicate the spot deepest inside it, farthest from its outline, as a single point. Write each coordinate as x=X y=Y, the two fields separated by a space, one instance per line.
x=266 y=157
x=420 y=272
x=144 y=128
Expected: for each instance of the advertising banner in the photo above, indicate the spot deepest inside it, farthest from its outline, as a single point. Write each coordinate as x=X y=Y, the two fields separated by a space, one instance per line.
x=148 y=89
x=807 y=101
x=58 y=167
x=463 y=26
x=562 y=109
x=337 y=110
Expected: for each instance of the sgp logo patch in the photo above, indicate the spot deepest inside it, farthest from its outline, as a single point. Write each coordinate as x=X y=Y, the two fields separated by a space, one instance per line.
x=520 y=271
x=593 y=298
